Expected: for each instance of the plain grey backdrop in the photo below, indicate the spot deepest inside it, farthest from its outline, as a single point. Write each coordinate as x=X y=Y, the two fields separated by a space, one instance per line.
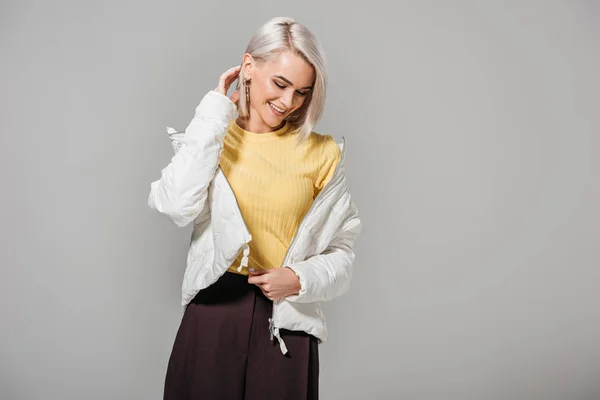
x=473 y=155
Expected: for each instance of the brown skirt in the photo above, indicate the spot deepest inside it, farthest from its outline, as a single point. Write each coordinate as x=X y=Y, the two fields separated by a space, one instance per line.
x=223 y=349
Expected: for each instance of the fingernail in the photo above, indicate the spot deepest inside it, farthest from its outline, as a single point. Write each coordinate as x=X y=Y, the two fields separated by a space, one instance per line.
x=251 y=269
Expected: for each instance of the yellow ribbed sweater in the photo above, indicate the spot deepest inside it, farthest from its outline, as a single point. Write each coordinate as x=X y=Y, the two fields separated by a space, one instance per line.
x=275 y=181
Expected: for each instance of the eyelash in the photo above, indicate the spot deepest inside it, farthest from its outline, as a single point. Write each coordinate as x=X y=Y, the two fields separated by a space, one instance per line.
x=283 y=87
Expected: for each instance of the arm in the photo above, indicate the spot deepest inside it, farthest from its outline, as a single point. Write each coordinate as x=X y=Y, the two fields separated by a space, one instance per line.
x=327 y=275
x=181 y=191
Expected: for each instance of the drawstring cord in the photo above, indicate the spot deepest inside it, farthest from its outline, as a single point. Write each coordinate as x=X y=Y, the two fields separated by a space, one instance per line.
x=244 y=262
x=282 y=345
x=273 y=330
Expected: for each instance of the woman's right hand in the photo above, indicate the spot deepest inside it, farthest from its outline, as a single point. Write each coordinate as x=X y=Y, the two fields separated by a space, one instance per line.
x=225 y=81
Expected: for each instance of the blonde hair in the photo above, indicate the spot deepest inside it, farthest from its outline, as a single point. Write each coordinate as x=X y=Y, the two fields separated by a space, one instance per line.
x=281 y=34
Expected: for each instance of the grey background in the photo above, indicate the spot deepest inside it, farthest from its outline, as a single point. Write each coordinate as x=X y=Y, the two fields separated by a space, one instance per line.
x=473 y=144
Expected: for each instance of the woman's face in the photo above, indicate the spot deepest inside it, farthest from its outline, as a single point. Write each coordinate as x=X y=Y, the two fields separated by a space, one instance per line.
x=278 y=88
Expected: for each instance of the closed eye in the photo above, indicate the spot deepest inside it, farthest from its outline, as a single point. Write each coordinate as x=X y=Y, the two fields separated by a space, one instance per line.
x=280 y=86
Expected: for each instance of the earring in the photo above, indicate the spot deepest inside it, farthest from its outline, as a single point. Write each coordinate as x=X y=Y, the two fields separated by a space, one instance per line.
x=247 y=84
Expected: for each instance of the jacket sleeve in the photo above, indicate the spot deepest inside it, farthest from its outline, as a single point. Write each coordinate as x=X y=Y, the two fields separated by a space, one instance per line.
x=327 y=275
x=182 y=190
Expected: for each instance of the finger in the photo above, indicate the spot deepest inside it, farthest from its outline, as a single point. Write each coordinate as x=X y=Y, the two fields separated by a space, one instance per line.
x=256 y=280
x=230 y=81
x=235 y=96
x=230 y=75
x=255 y=271
x=233 y=71
x=224 y=79
x=268 y=295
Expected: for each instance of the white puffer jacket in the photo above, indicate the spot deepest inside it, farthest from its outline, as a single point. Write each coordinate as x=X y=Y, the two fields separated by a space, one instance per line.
x=193 y=188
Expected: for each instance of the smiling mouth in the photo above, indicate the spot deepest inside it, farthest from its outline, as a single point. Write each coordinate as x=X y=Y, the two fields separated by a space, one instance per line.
x=277 y=109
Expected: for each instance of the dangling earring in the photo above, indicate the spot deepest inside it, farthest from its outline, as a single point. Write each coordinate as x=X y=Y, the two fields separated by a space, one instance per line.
x=247 y=84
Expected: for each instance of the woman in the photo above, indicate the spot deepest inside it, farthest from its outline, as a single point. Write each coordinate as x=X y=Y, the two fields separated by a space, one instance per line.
x=274 y=225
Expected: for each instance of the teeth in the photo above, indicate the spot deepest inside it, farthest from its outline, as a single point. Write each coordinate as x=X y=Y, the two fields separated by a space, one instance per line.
x=277 y=108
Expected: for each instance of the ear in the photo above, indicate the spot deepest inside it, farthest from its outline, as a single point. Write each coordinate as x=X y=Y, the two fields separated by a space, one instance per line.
x=248 y=64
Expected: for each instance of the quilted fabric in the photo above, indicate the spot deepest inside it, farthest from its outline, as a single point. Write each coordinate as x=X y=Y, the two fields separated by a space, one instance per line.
x=193 y=188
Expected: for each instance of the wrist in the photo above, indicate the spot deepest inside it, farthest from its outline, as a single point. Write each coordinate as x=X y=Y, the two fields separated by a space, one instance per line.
x=297 y=285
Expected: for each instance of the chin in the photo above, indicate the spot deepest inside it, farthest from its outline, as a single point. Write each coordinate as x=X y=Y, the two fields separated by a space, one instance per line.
x=271 y=120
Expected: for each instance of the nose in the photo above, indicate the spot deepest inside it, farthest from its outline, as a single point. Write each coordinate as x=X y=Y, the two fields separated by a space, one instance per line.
x=288 y=99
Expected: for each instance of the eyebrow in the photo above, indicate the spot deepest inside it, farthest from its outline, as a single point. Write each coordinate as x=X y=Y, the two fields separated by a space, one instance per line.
x=290 y=83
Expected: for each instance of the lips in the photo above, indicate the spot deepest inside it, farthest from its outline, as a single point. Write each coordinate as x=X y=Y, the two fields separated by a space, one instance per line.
x=280 y=112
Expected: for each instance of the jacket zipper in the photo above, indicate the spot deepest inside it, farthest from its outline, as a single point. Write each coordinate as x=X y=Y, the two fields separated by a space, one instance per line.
x=273 y=318
x=248 y=235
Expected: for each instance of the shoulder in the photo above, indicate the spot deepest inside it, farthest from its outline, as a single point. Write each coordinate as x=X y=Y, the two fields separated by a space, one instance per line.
x=326 y=145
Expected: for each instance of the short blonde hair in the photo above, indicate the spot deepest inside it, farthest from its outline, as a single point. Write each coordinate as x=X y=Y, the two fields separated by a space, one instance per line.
x=281 y=34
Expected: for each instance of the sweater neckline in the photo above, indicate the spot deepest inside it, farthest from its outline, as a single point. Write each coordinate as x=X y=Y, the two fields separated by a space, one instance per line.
x=254 y=136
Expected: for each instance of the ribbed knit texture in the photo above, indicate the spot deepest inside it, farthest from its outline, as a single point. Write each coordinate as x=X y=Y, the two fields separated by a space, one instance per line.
x=275 y=179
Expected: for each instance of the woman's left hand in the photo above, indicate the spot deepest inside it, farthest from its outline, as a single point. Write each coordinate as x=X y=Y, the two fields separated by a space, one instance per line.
x=275 y=283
